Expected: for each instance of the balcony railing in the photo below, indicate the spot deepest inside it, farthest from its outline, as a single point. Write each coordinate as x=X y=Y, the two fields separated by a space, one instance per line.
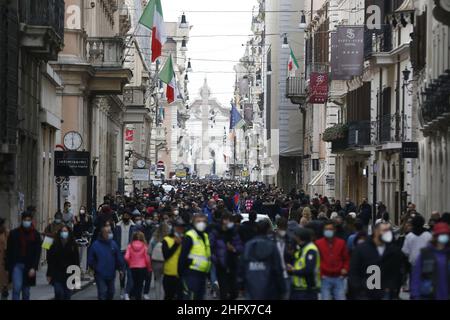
x=378 y=41
x=46 y=13
x=295 y=89
x=105 y=52
x=358 y=134
x=386 y=129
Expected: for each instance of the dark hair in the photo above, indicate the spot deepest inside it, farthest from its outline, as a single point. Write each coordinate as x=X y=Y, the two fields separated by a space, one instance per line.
x=264 y=227
x=225 y=216
x=27 y=214
x=282 y=223
x=329 y=223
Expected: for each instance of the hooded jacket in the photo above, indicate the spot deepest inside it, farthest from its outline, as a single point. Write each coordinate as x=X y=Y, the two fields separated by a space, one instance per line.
x=136 y=256
x=262 y=270
x=105 y=258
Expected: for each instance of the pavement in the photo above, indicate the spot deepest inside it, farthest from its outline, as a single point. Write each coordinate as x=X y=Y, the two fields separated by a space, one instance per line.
x=44 y=291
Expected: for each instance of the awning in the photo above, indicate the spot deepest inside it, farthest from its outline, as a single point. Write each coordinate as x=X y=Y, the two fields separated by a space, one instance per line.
x=317 y=178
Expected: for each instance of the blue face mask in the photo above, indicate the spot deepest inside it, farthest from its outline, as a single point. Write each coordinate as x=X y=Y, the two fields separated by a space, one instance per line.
x=64 y=234
x=110 y=236
x=58 y=221
x=443 y=238
x=26 y=224
x=328 y=234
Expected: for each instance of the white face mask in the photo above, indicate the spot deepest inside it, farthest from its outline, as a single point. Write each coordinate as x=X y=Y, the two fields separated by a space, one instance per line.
x=282 y=233
x=176 y=212
x=387 y=237
x=82 y=212
x=200 y=226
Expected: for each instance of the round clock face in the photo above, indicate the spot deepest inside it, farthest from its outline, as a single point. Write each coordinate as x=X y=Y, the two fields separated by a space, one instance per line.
x=140 y=163
x=73 y=140
x=445 y=4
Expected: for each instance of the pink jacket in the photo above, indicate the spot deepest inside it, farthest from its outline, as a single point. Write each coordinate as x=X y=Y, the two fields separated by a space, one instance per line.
x=137 y=257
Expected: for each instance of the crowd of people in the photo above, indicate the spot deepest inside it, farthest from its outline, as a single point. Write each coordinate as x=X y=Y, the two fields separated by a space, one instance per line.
x=238 y=240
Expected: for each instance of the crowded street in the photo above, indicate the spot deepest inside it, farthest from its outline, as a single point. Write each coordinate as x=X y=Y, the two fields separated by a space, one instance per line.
x=239 y=151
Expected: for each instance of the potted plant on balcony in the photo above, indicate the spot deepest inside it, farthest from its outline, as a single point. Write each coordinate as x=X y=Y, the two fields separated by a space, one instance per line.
x=335 y=133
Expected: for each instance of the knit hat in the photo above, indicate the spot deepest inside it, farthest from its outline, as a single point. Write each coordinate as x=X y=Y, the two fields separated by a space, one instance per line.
x=441 y=228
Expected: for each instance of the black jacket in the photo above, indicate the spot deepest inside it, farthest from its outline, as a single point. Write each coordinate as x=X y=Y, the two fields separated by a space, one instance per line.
x=59 y=258
x=390 y=264
x=31 y=260
x=261 y=270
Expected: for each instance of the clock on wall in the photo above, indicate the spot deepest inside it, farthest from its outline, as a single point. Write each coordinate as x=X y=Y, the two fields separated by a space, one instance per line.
x=73 y=140
x=140 y=164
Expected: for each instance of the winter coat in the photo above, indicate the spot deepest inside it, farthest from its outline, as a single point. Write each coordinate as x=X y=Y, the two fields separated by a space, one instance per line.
x=59 y=258
x=390 y=263
x=440 y=275
x=137 y=256
x=31 y=260
x=3 y=272
x=261 y=270
x=118 y=233
x=219 y=251
x=105 y=258
x=333 y=257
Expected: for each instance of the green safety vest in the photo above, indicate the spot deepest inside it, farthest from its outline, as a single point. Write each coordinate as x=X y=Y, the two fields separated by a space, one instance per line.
x=300 y=263
x=200 y=253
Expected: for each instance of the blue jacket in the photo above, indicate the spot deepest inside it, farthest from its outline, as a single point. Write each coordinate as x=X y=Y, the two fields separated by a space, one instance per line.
x=118 y=233
x=208 y=212
x=105 y=258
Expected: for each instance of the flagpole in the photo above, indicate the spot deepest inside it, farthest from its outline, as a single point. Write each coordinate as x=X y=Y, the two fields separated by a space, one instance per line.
x=128 y=43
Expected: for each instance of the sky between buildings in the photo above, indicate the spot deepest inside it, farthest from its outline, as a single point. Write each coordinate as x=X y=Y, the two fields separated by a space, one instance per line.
x=220 y=74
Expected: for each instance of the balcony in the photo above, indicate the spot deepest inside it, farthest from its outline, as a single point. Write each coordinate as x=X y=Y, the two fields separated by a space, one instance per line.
x=387 y=136
x=358 y=134
x=106 y=57
x=295 y=90
x=435 y=111
x=42 y=27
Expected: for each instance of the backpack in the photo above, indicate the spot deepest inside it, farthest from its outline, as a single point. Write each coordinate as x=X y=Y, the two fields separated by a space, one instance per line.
x=157 y=254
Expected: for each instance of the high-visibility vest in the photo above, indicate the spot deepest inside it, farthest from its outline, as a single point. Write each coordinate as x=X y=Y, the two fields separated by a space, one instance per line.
x=171 y=264
x=300 y=263
x=200 y=253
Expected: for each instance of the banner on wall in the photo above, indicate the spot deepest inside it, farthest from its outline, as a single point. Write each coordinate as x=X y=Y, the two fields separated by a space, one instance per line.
x=336 y=73
x=318 y=87
x=129 y=135
x=350 y=46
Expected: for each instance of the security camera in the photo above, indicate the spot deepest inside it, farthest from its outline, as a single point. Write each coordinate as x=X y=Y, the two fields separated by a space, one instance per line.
x=92 y=4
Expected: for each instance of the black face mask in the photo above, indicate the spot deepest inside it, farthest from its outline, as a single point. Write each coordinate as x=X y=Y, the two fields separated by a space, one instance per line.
x=126 y=220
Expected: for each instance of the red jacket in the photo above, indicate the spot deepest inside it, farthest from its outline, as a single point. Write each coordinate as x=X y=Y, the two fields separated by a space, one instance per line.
x=333 y=257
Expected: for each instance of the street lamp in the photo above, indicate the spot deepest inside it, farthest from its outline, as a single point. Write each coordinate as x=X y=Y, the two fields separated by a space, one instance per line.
x=269 y=69
x=186 y=78
x=189 y=66
x=406 y=74
x=302 y=24
x=183 y=45
x=183 y=24
x=285 y=44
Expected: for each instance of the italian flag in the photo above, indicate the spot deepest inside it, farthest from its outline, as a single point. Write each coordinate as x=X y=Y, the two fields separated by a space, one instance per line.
x=292 y=64
x=167 y=75
x=152 y=18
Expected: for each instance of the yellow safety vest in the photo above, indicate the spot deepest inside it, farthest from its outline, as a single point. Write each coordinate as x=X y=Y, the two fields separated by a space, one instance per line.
x=200 y=252
x=300 y=263
x=171 y=264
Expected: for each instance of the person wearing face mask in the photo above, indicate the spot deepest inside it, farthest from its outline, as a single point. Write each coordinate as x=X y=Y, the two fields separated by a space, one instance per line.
x=226 y=246
x=123 y=233
x=209 y=209
x=381 y=252
x=156 y=252
x=305 y=272
x=67 y=214
x=431 y=274
x=334 y=263
x=23 y=252
x=195 y=259
x=171 y=248
x=105 y=258
x=138 y=223
x=82 y=223
x=285 y=249
x=53 y=228
x=62 y=254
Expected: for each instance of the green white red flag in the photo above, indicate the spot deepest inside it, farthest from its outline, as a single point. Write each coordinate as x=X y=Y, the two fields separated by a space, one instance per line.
x=167 y=75
x=292 y=64
x=153 y=19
